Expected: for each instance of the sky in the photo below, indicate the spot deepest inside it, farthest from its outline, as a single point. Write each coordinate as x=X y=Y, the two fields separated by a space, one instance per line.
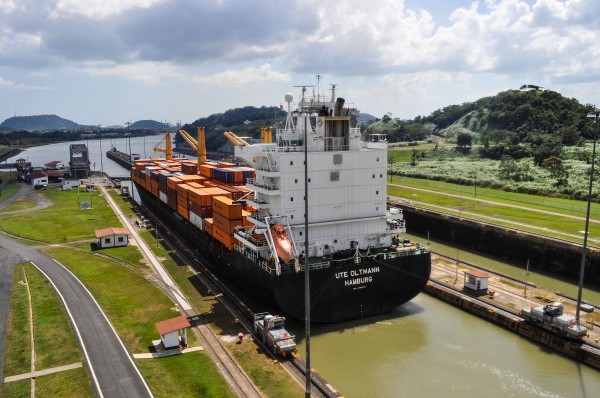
x=106 y=62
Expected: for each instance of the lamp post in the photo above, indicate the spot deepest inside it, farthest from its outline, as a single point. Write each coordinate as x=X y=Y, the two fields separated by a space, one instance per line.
x=306 y=264
x=594 y=114
x=101 y=154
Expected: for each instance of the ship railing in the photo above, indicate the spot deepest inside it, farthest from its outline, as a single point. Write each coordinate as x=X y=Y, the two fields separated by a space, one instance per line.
x=256 y=183
x=267 y=168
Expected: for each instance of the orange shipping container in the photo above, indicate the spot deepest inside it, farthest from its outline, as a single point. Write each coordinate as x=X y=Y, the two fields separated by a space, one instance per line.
x=191 y=178
x=215 y=191
x=225 y=224
x=200 y=197
x=172 y=182
x=208 y=225
x=183 y=211
x=182 y=192
x=225 y=238
x=206 y=170
x=226 y=207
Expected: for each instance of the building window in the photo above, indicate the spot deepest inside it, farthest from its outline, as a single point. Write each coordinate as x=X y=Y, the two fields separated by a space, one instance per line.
x=121 y=239
x=337 y=158
x=334 y=176
x=106 y=240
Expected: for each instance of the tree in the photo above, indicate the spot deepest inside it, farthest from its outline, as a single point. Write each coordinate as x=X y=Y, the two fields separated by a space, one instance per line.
x=557 y=169
x=464 y=140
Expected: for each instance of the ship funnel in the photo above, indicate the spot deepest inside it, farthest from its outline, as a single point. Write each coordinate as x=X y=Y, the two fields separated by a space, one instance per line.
x=339 y=105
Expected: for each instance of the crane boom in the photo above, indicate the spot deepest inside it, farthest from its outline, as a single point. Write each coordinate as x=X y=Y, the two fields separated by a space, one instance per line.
x=235 y=140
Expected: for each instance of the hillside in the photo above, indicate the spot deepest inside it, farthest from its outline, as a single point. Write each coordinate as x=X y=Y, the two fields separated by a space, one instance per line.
x=149 y=124
x=515 y=117
x=38 y=123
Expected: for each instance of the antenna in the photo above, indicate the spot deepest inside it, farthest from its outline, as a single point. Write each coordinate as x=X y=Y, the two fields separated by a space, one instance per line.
x=304 y=90
x=318 y=86
x=333 y=85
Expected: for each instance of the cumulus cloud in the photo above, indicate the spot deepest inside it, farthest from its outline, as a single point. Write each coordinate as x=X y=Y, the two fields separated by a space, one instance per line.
x=7 y=84
x=353 y=37
x=249 y=76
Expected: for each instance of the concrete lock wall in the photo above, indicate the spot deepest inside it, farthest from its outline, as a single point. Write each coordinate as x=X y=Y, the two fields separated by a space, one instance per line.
x=544 y=254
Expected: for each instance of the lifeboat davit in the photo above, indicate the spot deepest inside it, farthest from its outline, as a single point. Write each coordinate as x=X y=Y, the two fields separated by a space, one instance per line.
x=283 y=246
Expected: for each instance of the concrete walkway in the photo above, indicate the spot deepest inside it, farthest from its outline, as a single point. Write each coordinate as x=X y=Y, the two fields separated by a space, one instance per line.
x=44 y=372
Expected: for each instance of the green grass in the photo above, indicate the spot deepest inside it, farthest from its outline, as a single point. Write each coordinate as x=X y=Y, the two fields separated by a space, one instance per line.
x=266 y=374
x=74 y=223
x=470 y=204
x=7 y=190
x=55 y=344
x=17 y=357
x=189 y=375
x=132 y=303
x=21 y=203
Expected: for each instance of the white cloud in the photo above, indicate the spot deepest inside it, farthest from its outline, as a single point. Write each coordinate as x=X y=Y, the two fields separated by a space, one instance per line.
x=7 y=84
x=249 y=76
x=99 y=9
x=148 y=72
x=7 y=6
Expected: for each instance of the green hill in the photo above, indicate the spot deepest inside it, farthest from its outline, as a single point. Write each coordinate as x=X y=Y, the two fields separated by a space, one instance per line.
x=38 y=123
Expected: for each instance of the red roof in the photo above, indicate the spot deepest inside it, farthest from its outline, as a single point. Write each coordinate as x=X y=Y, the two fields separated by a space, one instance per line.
x=477 y=274
x=173 y=324
x=53 y=174
x=37 y=174
x=111 y=231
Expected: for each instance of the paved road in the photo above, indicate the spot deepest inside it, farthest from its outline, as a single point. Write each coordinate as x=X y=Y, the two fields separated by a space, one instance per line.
x=111 y=367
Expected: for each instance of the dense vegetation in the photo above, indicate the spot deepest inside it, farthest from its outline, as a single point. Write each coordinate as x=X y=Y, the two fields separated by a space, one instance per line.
x=244 y=122
x=38 y=123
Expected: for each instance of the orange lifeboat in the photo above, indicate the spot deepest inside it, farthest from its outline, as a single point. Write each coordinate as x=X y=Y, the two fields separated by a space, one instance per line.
x=283 y=246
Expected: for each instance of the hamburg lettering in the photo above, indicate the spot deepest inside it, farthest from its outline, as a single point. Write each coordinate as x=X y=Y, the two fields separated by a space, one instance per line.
x=357 y=276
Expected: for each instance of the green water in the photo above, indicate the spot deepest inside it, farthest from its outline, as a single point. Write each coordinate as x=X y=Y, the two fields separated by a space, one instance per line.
x=428 y=348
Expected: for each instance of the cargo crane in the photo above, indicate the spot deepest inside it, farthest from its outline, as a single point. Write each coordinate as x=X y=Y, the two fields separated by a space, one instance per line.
x=168 y=149
x=199 y=145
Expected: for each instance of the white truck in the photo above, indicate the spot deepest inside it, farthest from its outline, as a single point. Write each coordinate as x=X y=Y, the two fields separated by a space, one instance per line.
x=269 y=328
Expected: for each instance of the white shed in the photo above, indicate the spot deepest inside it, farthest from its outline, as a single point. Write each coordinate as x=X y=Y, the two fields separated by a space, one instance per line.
x=476 y=281
x=38 y=178
x=173 y=332
x=112 y=237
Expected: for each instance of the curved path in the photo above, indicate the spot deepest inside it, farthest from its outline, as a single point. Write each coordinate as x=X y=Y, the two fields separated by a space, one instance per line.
x=111 y=366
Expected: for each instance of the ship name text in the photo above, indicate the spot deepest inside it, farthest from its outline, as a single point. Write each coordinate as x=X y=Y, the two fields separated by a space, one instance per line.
x=357 y=276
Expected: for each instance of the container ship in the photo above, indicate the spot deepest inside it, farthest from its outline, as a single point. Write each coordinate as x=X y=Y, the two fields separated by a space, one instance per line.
x=248 y=226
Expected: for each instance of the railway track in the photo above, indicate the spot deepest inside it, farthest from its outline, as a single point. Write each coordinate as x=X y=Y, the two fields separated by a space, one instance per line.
x=293 y=365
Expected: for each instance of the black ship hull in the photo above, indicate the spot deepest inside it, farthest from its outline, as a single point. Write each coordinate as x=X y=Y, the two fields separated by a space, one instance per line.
x=352 y=291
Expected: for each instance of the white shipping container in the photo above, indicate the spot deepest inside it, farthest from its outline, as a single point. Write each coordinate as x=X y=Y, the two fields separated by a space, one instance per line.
x=196 y=220
x=162 y=196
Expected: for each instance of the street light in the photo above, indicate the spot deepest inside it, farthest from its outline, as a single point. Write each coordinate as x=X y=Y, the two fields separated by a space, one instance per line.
x=594 y=114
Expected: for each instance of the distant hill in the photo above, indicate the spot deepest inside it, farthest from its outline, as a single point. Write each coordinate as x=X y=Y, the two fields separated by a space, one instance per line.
x=38 y=123
x=518 y=116
x=149 y=124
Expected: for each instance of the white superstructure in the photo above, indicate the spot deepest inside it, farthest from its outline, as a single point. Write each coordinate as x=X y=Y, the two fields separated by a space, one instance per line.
x=346 y=180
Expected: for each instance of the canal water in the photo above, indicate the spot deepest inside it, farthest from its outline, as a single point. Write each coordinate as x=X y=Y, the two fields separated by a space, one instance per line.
x=425 y=348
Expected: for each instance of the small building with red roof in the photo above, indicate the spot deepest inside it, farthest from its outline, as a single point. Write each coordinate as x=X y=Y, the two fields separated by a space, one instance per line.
x=476 y=281
x=112 y=237
x=173 y=332
x=37 y=178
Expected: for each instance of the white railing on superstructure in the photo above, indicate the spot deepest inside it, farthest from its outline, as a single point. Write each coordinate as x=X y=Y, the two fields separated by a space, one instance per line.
x=261 y=184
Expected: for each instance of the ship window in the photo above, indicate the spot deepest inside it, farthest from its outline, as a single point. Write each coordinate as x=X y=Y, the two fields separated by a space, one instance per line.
x=300 y=233
x=292 y=216
x=292 y=163
x=378 y=159
x=373 y=175
x=296 y=181
x=291 y=199
x=309 y=180
x=337 y=158
x=377 y=208
x=380 y=175
x=334 y=176
x=376 y=192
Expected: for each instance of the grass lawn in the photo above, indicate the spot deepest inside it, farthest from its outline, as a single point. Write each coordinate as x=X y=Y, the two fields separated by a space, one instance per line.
x=8 y=190
x=55 y=343
x=75 y=223
x=189 y=375
x=470 y=204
